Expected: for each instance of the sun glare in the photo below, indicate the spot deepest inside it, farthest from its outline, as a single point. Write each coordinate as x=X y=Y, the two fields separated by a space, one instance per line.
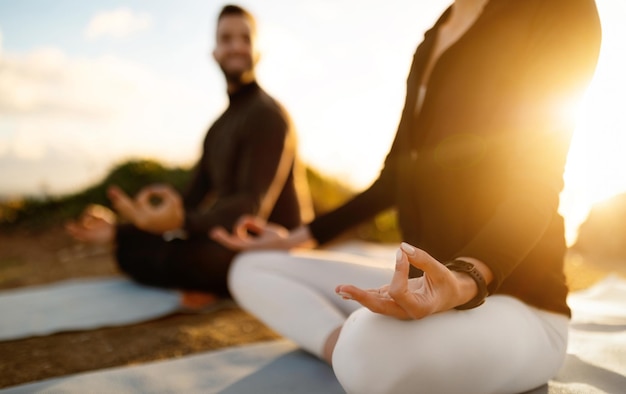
x=596 y=168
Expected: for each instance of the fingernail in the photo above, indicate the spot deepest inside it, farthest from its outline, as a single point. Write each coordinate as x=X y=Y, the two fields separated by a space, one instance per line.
x=398 y=255
x=408 y=249
x=343 y=295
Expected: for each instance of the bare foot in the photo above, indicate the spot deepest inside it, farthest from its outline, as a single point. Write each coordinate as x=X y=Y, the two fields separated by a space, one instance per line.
x=196 y=300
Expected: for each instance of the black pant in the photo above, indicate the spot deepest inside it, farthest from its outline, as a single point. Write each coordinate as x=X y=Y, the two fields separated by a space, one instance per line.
x=197 y=263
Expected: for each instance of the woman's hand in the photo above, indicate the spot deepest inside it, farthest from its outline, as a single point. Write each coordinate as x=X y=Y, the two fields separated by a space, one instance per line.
x=438 y=290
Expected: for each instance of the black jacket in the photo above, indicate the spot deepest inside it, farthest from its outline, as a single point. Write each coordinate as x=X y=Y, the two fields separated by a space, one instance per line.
x=248 y=166
x=479 y=171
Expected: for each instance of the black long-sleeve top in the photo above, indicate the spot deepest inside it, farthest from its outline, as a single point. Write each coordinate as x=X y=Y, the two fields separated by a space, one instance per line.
x=248 y=166
x=479 y=170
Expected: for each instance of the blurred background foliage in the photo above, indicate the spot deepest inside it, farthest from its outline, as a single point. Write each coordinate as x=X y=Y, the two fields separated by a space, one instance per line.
x=39 y=213
x=36 y=214
x=601 y=238
x=603 y=234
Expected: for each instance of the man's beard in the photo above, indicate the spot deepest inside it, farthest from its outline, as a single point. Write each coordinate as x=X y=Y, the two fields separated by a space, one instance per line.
x=240 y=77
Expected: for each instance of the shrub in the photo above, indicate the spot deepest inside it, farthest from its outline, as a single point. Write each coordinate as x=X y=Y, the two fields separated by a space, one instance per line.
x=39 y=214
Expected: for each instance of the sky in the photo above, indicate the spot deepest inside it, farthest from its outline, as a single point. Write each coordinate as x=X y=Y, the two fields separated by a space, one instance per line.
x=87 y=84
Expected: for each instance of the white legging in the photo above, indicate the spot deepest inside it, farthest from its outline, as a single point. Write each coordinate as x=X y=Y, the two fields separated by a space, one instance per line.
x=504 y=346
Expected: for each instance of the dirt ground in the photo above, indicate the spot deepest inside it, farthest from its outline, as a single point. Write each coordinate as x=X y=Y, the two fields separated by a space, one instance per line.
x=32 y=259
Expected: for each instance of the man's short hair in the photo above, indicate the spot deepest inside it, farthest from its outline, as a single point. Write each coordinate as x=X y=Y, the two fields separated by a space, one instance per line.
x=232 y=9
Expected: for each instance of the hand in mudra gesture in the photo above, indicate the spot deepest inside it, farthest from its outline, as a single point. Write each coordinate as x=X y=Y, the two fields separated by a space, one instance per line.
x=251 y=233
x=155 y=209
x=438 y=290
x=96 y=226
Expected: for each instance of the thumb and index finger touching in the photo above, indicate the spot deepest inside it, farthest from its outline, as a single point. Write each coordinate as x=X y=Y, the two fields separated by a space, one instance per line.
x=165 y=193
x=406 y=302
x=238 y=239
x=422 y=260
x=247 y=224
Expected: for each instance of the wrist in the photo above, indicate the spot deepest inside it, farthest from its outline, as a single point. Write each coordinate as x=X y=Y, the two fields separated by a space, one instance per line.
x=301 y=238
x=467 y=272
x=468 y=288
x=483 y=268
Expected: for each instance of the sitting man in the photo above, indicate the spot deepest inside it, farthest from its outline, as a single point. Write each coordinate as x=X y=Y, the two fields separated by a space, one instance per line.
x=248 y=166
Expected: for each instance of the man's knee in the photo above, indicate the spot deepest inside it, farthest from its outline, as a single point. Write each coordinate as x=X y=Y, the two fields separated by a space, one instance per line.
x=245 y=264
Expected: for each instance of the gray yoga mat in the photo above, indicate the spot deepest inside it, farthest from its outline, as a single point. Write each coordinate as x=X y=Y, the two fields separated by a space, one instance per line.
x=267 y=367
x=79 y=305
x=596 y=362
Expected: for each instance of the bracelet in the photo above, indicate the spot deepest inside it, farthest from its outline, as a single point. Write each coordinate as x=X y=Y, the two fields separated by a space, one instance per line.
x=470 y=269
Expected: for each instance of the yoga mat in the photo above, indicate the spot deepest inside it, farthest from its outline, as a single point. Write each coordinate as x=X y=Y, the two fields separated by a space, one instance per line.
x=79 y=305
x=596 y=359
x=267 y=367
x=604 y=303
x=596 y=362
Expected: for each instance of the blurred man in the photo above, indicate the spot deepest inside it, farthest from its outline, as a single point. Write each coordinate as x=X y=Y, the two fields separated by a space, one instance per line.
x=248 y=166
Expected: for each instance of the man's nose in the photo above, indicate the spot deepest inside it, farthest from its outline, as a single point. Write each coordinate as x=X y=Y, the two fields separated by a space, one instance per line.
x=239 y=46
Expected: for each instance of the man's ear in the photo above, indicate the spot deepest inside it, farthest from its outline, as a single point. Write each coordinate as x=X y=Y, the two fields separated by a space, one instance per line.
x=214 y=53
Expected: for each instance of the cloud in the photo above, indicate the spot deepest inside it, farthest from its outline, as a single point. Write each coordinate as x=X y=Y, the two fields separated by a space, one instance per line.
x=119 y=23
x=89 y=111
x=45 y=81
x=61 y=174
